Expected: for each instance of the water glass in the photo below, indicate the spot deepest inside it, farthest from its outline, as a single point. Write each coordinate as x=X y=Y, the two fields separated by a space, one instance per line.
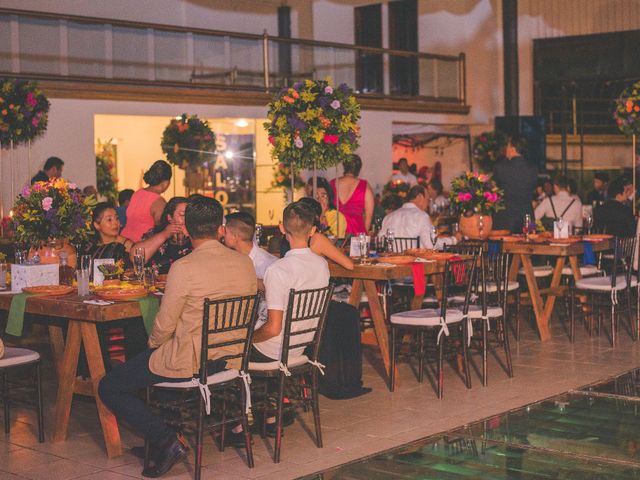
x=83 y=263
x=3 y=275
x=433 y=234
x=363 y=242
x=20 y=257
x=82 y=278
x=258 y=234
x=390 y=240
x=149 y=277
x=138 y=262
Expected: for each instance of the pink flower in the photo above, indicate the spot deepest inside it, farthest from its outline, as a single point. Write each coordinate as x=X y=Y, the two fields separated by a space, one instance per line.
x=47 y=202
x=464 y=196
x=298 y=142
x=492 y=197
x=328 y=90
x=34 y=122
x=272 y=140
x=72 y=186
x=335 y=104
x=31 y=100
x=26 y=191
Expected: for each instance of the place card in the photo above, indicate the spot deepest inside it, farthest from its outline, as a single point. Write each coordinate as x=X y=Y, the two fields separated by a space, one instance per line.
x=560 y=232
x=98 y=277
x=34 y=275
x=354 y=247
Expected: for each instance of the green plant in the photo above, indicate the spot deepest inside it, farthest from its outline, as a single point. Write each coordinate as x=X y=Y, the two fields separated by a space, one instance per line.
x=474 y=192
x=627 y=110
x=107 y=182
x=487 y=148
x=187 y=140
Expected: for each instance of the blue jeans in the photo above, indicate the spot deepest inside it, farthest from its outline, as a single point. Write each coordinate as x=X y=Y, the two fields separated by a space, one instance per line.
x=118 y=391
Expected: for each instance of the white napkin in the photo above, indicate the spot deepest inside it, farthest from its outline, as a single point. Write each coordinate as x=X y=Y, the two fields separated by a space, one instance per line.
x=98 y=302
x=160 y=294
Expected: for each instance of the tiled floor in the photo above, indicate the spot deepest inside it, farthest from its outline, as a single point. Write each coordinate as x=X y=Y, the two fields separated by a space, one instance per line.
x=351 y=428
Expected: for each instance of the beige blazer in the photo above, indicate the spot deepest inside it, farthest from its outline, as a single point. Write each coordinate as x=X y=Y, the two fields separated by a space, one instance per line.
x=211 y=271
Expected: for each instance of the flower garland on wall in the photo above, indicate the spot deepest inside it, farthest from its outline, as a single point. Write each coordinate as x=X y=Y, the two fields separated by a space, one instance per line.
x=23 y=111
x=52 y=210
x=627 y=110
x=187 y=140
x=487 y=148
x=474 y=192
x=313 y=125
x=107 y=182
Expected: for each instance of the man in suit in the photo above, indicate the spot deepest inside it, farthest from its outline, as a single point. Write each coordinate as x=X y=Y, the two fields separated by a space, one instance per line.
x=174 y=344
x=615 y=216
x=52 y=169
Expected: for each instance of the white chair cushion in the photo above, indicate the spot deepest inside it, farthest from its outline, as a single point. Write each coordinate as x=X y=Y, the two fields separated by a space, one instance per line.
x=603 y=284
x=492 y=287
x=266 y=366
x=427 y=317
x=403 y=282
x=585 y=271
x=220 y=377
x=540 y=271
x=475 y=311
x=18 y=356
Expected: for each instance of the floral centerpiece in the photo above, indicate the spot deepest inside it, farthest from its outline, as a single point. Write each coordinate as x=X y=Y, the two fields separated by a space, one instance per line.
x=187 y=140
x=106 y=171
x=396 y=187
x=474 y=196
x=54 y=210
x=627 y=110
x=487 y=148
x=313 y=125
x=23 y=111
x=282 y=177
x=112 y=272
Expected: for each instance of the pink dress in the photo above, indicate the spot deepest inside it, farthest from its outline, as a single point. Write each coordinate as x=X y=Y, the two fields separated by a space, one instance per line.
x=353 y=209
x=139 y=219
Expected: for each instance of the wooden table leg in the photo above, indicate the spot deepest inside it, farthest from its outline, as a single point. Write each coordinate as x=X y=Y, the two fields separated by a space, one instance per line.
x=377 y=315
x=575 y=268
x=96 y=368
x=56 y=339
x=536 y=298
x=66 y=381
x=356 y=293
x=514 y=268
x=555 y=283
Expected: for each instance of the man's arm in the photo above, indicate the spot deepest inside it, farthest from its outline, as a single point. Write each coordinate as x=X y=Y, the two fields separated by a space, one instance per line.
x=175 y=296
x=271 y=328
x=543 y=209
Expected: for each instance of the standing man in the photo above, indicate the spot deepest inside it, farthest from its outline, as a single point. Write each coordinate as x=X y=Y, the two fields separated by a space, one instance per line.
x=52 y=169
x=404 y=175
x=600 y=185
x=517 y=176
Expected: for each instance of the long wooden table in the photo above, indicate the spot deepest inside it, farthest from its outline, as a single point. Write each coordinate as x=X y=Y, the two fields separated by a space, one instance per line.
x=81 y=330
x=365 y=278
x=523 y=251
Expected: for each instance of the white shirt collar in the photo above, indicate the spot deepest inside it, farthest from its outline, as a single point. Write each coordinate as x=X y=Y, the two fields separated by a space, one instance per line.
x=298 y=251
x=410 y=205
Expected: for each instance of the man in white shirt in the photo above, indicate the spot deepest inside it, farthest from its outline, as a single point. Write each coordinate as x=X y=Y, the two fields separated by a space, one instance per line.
x=411 y=220
x=404 y=175
x=439 y=202
x=299 y=269
x=561 y=204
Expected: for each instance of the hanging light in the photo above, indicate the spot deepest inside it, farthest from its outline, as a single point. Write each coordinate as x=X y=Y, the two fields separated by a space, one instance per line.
x=241 y=123
x=228 y=155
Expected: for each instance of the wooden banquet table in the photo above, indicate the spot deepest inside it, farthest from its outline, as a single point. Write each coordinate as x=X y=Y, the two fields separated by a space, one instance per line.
x=365 y=277
x=81 y=330
x=522 y=253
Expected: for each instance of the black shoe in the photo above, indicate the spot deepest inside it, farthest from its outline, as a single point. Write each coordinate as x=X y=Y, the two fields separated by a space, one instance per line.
x=137 y=452
x=234 y=440
x=166 y=458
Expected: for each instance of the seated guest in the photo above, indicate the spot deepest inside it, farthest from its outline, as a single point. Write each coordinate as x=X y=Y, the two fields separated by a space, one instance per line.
x=90 y=190
x=437 y=200
x=146 y=207
x=412 y=220
x=615 y=217
x=124 y=198
x=107 y=241
x=335 y=221
x=174 y=344
x=167 y=242
x=600 y=185
x=52 y=169
x=390 y=203
x=404 y=175
x=560 y=205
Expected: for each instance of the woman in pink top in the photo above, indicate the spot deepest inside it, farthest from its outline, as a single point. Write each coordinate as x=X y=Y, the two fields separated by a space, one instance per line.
x=145 y=210
x=354 y=197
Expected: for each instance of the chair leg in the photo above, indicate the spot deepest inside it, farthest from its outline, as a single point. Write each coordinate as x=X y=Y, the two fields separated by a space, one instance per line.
x=223 y=429
x=638 y=312
x=147 y=444
x=392 y=374
x=39 y=395
x=316 y=407
x=199 y=435
x=572 y=313
x=465 y=354
x=485 y=340
x=245 y=426
x=517 y=315
x=276 y=452
x=5 y=403
x=420 y=356
x=440 y=380
x=634 y=333
x=614 y=333
x=507 y=348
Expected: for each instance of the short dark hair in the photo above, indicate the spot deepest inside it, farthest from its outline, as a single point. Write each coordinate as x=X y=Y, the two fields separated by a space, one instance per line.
x=203 y=217
x=391 y=202
x=298 y=218
x=403 y=159
x=159 y=172
x=602 y=176
x=313 y=204
x=561 y=181
x=616 y=187
x=518 y=142
x=52 y=162
x=437 y=186
x=124 y=196
x=98 y=211
x=323 y=183
x=353 y=165
x=243 y=224
x=416 y=191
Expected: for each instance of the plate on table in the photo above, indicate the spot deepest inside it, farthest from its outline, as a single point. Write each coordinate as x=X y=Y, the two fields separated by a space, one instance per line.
x=398 y=259
x=565 y=241
x=121 y=293
x=596 y=237
x=500 y=233
x=429 y=254
x=49 y=290
x=507 y=238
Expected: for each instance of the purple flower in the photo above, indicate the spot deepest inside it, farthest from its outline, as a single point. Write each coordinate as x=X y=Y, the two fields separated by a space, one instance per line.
x=296 y=122
x=298 y=142
x=323 y=101
x=328 y=89
x=298 y=85
x=335 y=104
x=47 y=202
x=343 y=88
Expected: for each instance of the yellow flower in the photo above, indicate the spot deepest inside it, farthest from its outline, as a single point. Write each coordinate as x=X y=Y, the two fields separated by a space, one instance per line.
x=309 y=83
x=281 y=122
x=310 y=114
x=345 y=148
x=345 y=124
x=308 y=96
x=283 y=141
x=317 y=135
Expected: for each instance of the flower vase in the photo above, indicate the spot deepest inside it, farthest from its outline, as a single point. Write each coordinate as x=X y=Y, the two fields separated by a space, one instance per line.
x=475 y=225
x=49 y=251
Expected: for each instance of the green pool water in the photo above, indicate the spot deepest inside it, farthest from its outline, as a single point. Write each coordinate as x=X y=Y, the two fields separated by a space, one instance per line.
x=592 y=433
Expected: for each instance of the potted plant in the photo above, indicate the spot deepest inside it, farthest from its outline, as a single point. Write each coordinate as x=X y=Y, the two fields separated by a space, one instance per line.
x=24 y=111
x=475 y=197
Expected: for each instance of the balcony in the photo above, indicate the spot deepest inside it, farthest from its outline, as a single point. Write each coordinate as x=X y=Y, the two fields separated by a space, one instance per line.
x=84 y=57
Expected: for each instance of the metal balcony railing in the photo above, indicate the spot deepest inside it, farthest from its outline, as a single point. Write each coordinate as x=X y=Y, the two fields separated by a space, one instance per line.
x=85 y=49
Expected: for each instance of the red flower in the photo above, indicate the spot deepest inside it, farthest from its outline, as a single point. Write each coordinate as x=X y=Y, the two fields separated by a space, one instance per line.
x=272 y=140
x=332 y=139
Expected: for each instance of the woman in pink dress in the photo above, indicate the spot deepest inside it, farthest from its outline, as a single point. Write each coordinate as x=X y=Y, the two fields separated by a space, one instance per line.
x=145 y=210
x=354 y=197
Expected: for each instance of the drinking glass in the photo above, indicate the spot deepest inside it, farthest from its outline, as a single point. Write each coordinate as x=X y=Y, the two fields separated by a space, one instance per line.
x=138 y=262
x=83 y=273
x=588 y=223
x=560 y=224
x=179 y=239
x=363 y=242
x=526 y=225
x=20 y=257
x=390 y=240
x=433 y=235
x=149 y=277
x=258 y=233
x=3 y=275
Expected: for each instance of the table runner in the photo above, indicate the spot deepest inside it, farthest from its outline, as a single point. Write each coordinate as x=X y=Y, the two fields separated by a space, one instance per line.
x=149 y=307
x=15 y=321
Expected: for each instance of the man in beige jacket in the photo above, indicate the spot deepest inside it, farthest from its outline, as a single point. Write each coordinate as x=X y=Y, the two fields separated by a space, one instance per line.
x=211 y=271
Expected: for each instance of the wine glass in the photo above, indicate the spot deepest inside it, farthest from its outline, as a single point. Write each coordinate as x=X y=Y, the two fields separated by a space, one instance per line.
x=560 y=222
x=258 y=234
x=138 y=262
x=390 y=240
x=433 y=236
x=526 y=225
x=588 y=223
x=363 y=243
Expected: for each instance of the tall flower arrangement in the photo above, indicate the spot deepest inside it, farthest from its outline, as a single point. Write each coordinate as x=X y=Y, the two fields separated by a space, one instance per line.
x=487 y=147
x=313 y=125
x=627 y=110
x=52 y=210
x=107 y=182
x=474 y=192
x=282 y=177
x=187 y=140
x=23 y=111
